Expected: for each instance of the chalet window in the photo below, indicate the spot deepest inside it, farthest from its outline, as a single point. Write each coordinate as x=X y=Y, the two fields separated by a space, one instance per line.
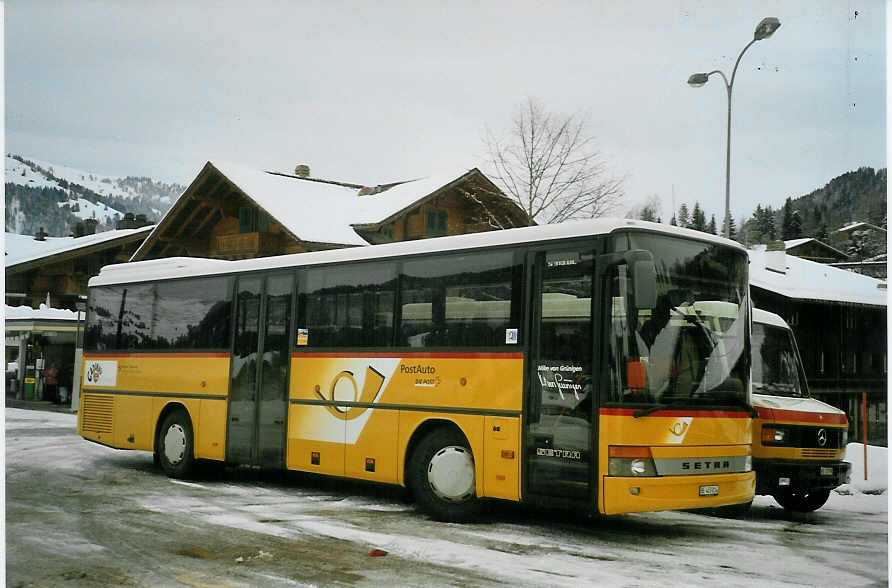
x=435 y=224
x=251 y=220
x=245 y=219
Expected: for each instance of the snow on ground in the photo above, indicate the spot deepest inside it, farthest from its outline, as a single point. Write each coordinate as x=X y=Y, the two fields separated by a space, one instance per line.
x=19 y=418
x=87 y=209
x=835 y=546
x=877 y=481
x=20 y=173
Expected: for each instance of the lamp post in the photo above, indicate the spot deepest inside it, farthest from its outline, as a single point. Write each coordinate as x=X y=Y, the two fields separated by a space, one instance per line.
x=764 y=30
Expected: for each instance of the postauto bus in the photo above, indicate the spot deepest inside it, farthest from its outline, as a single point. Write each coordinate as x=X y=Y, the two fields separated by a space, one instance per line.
x=563 y=365
x=798 y=442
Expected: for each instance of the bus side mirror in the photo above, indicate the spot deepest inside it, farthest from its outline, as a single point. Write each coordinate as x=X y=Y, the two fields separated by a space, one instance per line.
x=644 y=278
x=642 y=271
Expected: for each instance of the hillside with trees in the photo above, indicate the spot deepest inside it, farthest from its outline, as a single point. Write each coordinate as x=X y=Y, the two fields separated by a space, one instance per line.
x=856 y=196
x=39 y=194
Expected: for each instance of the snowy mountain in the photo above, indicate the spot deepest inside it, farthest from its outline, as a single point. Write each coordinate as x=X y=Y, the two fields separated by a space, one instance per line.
x=42 y=194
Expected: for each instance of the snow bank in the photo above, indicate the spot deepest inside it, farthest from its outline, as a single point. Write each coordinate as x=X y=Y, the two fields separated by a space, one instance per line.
x=877 y=469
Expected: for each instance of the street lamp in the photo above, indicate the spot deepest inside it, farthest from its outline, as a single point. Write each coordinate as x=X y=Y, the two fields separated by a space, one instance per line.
x=763 y=30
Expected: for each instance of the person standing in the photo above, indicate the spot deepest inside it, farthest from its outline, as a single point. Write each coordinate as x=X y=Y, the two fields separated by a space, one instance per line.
x=52 y=388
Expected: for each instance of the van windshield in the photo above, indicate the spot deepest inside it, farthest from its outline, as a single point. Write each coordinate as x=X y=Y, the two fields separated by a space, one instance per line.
x=776 y=367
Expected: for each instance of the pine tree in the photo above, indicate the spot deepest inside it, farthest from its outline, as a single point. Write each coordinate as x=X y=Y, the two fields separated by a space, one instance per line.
x=698 y=218
x=795 y=225
x=711 y=228
x=684 y=216
x=787 y=220
x=732 y=234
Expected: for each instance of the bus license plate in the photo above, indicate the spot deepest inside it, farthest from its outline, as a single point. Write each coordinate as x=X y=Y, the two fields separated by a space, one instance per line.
x=826 y=471
x=709 y=490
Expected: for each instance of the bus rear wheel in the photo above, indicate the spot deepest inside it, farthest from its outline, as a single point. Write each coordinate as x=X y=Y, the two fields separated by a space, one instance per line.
x=802 y=500
x=175 y=449
x=441 y=477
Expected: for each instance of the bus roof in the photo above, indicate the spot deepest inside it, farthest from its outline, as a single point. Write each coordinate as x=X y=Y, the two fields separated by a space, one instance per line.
x=175 y=267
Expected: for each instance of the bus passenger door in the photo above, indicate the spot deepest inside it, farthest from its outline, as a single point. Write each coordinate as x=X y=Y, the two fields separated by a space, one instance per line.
x=559 y=427
x=258 y=388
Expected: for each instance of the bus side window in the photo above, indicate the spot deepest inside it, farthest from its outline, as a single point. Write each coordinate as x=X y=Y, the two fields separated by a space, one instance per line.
x=467 y=301
x=348 y=306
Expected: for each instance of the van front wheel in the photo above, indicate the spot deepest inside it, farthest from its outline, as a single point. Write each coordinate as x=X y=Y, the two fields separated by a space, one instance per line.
x=802 y=500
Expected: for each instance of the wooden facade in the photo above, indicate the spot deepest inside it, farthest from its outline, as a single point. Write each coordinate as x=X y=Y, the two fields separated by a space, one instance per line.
x=216 y=218
x=63 y=274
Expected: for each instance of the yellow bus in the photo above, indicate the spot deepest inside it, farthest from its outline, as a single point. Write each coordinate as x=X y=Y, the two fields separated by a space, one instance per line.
x=563 y=365
x=799 y=443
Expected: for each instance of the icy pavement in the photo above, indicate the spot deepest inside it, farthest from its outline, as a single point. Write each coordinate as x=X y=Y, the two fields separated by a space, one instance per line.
x=79 y=513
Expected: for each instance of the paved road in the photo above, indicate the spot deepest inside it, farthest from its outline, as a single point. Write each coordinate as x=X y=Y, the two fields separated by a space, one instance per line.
x=79 y=514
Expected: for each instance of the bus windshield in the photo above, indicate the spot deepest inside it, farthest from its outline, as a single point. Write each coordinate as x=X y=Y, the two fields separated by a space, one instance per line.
x=691 y=348
x=776 y=367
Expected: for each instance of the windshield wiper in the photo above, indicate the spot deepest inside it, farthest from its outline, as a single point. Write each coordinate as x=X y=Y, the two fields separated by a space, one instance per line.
x=679 y=406
x=663 y=406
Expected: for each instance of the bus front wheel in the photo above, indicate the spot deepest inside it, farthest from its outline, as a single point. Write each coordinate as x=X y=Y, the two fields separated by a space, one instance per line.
x=802 y=500
x=175 y=448
x=441 y=477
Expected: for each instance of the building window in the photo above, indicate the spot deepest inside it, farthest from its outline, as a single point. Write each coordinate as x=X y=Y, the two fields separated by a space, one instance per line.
x=251 y=220
x=435 y=224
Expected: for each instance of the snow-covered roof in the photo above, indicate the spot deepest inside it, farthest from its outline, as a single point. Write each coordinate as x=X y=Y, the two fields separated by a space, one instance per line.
x=792 y=243
x=323 y=212
x=858 y=225
x=808 y=280
x=189 y=266
x=42 y=313
x=24 y=248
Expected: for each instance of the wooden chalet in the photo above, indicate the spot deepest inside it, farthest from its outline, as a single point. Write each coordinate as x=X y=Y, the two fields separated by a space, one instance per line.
x=229 y=212
x=40 y=266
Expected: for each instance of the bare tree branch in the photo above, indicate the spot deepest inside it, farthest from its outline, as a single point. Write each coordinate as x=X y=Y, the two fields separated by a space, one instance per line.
x=548 y=165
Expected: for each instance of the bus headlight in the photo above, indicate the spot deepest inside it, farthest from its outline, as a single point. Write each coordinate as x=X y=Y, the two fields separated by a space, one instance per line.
x=630 y=461
x=845 y=438
x=748 y=463
x=775 y=435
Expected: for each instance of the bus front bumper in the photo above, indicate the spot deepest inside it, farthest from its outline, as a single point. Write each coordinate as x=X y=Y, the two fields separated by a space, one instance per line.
x=624 y=495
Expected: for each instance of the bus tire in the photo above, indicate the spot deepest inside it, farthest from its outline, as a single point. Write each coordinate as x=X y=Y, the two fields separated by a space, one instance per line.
x=175 y=445
x=803 y=500
x=441 y=477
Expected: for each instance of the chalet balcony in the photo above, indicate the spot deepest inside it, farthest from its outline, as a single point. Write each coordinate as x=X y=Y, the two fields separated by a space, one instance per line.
x=244 y=245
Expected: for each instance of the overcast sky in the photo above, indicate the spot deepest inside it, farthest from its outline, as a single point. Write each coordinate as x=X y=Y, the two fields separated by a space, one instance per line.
x=371 y=92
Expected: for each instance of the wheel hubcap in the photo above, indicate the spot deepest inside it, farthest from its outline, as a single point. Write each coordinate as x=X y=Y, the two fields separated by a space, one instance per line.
x=175 y=444
x=451 y=474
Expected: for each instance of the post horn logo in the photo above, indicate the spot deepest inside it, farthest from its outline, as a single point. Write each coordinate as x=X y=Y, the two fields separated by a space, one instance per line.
x=370 y=388
x=678 y=429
